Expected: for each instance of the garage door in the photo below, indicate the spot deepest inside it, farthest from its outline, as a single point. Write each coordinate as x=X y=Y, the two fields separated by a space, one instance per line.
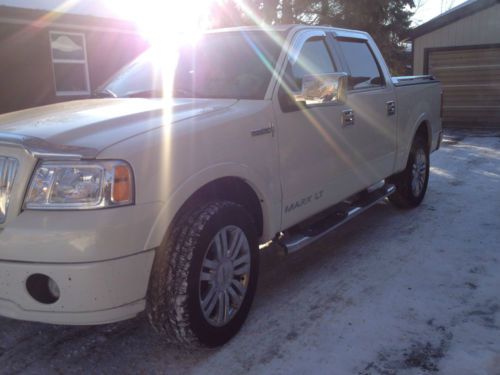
x=471 y=85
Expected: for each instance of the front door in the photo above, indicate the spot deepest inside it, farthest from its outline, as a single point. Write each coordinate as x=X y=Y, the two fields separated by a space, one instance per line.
x=316 y=164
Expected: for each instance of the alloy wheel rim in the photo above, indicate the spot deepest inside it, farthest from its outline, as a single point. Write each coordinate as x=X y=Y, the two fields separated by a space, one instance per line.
x=225 y=274
x=418 y=173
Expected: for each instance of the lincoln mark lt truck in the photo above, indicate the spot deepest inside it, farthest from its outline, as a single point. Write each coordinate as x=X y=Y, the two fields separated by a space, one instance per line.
x=157 y=194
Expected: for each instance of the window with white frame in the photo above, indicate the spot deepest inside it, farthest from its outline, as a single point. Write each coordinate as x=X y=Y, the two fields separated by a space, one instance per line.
x=69 y=61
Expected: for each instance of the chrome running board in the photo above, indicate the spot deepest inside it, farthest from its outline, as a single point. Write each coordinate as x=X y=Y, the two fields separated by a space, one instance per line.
x=298 y=241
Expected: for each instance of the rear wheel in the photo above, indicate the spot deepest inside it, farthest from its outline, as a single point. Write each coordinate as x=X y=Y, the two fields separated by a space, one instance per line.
x=204 y=276
x=411 y=184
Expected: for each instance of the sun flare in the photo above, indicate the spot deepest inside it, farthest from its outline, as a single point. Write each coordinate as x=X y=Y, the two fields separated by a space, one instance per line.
x=161 y=21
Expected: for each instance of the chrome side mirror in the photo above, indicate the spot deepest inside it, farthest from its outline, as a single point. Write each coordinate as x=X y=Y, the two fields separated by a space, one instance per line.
x=323 y=89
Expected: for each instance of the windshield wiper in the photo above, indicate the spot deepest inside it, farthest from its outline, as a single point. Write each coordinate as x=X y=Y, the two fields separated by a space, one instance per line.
x=182 y=92
x=145 y=94
x=104 y=93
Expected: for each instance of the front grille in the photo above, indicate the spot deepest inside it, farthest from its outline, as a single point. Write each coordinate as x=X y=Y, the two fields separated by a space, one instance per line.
x=8 y=169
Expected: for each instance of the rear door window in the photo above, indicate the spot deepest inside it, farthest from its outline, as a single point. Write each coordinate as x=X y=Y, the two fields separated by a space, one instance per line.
x=365 y=71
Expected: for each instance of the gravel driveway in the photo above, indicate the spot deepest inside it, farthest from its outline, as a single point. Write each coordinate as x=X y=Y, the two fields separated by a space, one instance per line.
x=392 y=292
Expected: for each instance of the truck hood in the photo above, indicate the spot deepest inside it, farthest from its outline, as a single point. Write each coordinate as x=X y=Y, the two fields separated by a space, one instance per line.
x=86 y=127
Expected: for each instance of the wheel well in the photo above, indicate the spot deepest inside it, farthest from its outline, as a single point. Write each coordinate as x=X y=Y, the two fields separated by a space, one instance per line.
x=232 y=189
x=423 y=131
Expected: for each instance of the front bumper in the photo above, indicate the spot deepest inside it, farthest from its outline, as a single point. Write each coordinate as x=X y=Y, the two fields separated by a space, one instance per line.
x=97 y=259
x=78 y=236
x=90 y=293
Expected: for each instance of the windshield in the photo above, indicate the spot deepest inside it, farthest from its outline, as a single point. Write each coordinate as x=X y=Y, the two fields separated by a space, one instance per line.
x=234 y=65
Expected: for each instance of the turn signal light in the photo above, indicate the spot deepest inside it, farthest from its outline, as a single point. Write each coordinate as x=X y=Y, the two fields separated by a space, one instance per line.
x=122 y=185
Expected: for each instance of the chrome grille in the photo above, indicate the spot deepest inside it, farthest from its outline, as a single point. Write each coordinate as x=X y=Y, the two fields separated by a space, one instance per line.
x=8 y=169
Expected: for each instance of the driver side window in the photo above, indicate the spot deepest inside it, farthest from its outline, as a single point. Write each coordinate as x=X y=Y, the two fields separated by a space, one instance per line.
x=314 y=58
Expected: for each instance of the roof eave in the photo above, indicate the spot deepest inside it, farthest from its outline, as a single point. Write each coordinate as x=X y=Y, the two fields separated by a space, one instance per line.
x=450 y=17
x=39 y=16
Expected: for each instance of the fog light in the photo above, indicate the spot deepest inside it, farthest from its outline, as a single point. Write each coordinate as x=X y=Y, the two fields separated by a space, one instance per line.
x=42 y=288
x=54 y=289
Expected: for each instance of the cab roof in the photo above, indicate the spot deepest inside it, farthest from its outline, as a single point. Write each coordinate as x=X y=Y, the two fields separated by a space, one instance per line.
x=287 y=29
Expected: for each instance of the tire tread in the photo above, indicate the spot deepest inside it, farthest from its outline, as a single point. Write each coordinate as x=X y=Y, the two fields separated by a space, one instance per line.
x=403 y=197
x=167 y=306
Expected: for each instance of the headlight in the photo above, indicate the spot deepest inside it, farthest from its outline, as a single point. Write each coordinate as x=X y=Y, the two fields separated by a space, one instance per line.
x=80 y=185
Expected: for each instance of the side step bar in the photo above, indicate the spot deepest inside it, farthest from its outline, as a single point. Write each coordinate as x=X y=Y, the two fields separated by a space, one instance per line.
x=298 y=241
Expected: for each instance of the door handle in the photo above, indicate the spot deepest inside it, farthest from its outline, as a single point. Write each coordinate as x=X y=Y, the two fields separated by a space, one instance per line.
x=263 y=131
x=347 y=117
x=391 y=108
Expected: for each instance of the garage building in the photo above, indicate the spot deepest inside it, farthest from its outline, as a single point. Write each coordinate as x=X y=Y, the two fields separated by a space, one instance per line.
x=461 y=48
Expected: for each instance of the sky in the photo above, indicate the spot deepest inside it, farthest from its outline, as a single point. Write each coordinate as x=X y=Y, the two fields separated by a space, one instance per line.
x=427 y=10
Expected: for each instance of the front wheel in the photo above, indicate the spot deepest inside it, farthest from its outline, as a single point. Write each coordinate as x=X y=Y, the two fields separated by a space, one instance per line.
x=204 y=277
x=411 y=184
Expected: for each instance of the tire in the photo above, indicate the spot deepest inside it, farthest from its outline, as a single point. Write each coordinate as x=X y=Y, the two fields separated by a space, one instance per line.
x=411 y=184
x=188 y=267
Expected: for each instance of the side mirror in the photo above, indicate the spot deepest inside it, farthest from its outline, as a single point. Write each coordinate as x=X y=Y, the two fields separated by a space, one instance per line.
x=323 y=89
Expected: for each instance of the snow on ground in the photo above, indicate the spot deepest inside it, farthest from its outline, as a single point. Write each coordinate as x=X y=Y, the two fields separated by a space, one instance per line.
x=392 y=292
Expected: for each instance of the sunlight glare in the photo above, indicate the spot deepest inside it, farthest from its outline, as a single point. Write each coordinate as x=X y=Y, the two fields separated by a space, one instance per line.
x=165 y=25
x=163 y=21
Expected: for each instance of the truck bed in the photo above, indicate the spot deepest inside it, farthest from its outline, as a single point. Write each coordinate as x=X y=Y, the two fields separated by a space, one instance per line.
x=413 y=80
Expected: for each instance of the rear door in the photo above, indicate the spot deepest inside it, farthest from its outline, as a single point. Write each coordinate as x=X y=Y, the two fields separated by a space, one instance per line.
x=371 y=97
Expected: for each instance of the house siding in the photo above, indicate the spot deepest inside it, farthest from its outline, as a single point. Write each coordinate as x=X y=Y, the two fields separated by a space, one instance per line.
x=26 y=69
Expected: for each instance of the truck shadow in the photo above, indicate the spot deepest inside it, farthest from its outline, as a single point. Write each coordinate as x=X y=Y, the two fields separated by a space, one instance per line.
x=333 y=247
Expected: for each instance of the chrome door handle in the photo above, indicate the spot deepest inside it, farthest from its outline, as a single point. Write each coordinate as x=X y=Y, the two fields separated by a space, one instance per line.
x=347 y=117
x=263 y=131
x=391 y=108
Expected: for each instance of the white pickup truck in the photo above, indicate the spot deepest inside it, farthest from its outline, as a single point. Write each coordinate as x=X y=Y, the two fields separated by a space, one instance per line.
x=158 y=194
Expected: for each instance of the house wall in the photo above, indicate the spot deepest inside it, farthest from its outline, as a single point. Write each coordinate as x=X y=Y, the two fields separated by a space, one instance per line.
x=480 y=28
x=26 y=72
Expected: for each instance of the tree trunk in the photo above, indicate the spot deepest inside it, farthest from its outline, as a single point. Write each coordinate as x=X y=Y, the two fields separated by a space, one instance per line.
x=287 y=11
x=324 y=13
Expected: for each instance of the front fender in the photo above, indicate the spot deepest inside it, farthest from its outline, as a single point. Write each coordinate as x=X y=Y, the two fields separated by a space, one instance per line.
x=271 y=204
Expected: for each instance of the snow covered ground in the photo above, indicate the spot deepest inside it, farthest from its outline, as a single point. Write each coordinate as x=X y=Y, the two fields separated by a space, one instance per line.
x=392 y=292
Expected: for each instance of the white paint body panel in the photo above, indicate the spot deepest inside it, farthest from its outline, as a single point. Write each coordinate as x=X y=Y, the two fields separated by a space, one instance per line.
x=175 y=148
